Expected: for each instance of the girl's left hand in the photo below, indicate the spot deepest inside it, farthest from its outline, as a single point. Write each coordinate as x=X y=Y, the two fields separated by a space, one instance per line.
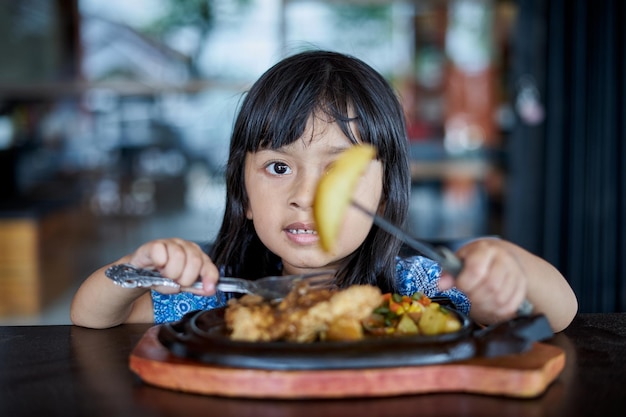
x=492 y=277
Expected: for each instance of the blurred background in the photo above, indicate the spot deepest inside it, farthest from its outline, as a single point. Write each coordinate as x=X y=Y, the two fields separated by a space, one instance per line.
x=115 y=119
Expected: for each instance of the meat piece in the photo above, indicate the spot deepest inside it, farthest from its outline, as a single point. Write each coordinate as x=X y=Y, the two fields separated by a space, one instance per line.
x=251 y=319
x=305 y=315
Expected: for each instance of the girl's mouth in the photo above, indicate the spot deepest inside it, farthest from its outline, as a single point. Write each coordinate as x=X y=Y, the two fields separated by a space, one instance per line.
x=302 y=231
x=302 y=234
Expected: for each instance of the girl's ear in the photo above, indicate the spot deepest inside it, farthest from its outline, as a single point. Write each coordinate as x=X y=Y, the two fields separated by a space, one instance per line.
x=249 y=213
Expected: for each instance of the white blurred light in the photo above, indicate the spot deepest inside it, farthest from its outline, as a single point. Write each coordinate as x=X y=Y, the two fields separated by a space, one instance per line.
x=6 y=132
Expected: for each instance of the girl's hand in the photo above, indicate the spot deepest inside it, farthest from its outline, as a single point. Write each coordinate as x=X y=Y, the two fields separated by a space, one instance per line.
x=180 y=260
x=493 y=278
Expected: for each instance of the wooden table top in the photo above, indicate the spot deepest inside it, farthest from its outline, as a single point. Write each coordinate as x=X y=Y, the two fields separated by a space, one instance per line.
x=73 y=371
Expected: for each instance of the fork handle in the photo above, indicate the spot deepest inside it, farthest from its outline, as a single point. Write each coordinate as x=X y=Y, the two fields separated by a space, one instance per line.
x=129 y=276
x=224 y=284
x=230 y=284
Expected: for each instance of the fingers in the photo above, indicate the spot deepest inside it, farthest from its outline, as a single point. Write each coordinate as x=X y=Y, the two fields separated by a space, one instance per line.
x=180 y=260
x=209 y=275
x=152 y=255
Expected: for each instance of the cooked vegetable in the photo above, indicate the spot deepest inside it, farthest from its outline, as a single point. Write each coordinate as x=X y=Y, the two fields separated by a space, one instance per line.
x=404 y=315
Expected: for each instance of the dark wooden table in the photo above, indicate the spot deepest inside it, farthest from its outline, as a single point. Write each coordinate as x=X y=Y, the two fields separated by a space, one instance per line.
x=72 y=371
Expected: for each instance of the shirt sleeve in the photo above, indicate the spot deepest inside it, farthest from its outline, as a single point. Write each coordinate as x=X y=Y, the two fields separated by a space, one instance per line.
x=172 y=307
x=417 y=273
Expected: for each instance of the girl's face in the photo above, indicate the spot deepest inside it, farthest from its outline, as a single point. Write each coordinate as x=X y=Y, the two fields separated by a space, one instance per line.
x=281 y=187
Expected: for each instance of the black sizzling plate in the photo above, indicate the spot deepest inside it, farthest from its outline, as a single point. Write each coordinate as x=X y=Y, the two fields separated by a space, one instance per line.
x=201 y=336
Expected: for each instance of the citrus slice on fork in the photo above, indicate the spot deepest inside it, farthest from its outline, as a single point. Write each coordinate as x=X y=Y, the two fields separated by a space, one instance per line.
x=335 y=189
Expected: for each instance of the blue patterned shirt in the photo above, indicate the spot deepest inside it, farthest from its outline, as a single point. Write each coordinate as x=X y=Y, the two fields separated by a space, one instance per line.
x=413 y=274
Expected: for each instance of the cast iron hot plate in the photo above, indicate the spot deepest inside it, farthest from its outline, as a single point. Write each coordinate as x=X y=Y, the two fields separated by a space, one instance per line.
x=202 y=336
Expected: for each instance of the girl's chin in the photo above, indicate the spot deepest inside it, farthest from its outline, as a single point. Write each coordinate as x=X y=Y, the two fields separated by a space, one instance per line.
x=308 y=262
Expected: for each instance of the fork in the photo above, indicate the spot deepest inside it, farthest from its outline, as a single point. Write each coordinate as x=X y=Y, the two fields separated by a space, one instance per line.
x=270 y=288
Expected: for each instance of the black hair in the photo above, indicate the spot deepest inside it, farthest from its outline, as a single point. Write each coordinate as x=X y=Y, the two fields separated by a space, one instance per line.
x=275 y=112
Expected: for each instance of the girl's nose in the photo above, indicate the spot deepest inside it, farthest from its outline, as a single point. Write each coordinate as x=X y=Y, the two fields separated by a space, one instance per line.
x=303 y=192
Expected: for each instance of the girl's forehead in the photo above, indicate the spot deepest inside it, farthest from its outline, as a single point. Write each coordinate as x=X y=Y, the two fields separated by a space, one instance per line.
x=321 y=134
x=319 y=130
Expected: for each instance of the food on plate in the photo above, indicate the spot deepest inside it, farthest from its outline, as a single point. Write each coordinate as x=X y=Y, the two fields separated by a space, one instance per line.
x=335 y=189
x=305 y=315
x=410 y=315
x=321 y=314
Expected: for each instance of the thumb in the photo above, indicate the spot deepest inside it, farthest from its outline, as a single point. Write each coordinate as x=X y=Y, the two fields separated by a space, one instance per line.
x=446 y=281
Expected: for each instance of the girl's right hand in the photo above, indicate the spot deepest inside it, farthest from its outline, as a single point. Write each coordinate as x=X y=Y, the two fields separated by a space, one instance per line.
x=180 y=260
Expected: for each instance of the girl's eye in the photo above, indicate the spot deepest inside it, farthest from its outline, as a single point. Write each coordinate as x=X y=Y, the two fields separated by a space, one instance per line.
x=278 y=168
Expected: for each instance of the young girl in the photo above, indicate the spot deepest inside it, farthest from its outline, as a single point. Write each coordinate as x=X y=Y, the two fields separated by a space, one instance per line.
x=293 y=123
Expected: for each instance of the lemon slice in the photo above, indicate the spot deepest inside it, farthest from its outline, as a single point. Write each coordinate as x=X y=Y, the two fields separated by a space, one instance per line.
x=335 y=189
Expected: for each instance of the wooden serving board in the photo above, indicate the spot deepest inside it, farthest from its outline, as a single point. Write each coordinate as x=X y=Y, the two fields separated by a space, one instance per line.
x=523 y=375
